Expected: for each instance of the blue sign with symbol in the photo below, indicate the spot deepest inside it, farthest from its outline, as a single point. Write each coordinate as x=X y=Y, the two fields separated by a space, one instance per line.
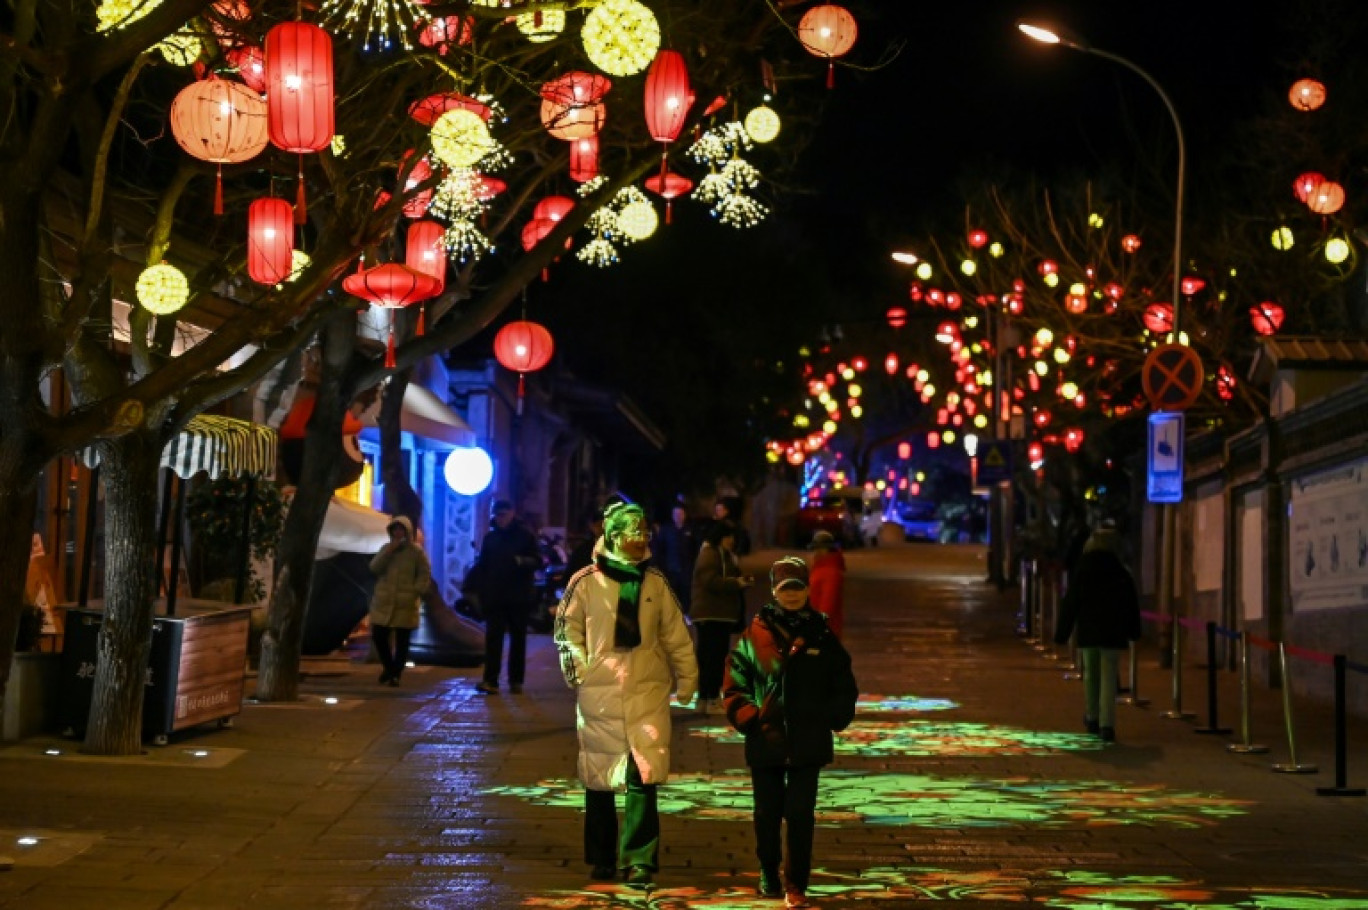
x=995 y=461
x=1164 y=464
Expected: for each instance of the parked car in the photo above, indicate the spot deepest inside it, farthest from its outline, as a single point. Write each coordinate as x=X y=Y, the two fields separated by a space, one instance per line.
x=828 y=514
x=919 y=519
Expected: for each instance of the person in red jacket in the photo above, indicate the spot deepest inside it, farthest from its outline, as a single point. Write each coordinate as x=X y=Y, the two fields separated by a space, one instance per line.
x=789 y=688
x=827 y=590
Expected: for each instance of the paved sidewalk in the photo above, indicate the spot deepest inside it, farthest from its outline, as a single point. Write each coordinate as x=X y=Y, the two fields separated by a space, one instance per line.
x=966 y=780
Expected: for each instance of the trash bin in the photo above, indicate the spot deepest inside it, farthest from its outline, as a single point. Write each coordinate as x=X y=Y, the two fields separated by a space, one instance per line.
x=196 y=672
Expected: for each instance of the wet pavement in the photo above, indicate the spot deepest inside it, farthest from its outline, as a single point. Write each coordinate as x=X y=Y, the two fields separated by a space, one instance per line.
x=966 y=780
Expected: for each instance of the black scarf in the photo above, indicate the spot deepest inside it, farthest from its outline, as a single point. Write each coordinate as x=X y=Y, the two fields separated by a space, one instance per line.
x=627 y=628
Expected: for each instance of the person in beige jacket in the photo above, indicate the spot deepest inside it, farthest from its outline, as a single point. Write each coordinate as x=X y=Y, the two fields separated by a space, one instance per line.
x=623 y=648
x=402 y=576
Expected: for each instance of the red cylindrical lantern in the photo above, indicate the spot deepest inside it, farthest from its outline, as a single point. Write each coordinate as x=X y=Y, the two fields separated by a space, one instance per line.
x=584 y=159
x=523 y=347
x=424 y=251
x=299 y=86
x=270 y=241
x=221 y=122
x=1158 y=318
x=1266 y=318
x=668 y=96
x=891 y=364
x=897 y=317
x=1326 y=199
x=827 y=31
x=572 y=105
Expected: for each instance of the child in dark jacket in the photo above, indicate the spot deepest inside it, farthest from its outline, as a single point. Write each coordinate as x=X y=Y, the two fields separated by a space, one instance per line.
x=789 y=686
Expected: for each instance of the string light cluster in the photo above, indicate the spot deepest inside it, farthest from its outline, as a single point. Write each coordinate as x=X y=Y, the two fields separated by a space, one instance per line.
x=724 y=188
x=385 y=21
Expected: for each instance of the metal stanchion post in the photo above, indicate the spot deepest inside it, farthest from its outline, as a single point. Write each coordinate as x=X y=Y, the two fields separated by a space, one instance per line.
x=1212 y=725
x=1043 y=593
x=1052 y=652
x=1177 y=712
x=1133 y=698
x=1341 y=787
x=1244 y=746
x=1292 y=766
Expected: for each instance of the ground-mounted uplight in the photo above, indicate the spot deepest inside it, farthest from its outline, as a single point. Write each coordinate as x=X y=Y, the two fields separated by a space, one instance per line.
x=53 y=751
x=331 y=700
x=27 y=840
x=197 y=753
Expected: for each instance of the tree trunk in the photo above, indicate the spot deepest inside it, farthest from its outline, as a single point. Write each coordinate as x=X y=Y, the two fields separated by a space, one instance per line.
x=278 y=673
x=400 y=499
x=125 y=642
x=16 y=537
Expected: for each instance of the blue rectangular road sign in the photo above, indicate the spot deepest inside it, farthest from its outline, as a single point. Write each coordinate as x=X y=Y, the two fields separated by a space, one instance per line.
x=1164 y=461
x=995 y=461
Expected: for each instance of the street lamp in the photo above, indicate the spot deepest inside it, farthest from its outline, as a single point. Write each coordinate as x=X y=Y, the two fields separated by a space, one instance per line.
x=1059 y=36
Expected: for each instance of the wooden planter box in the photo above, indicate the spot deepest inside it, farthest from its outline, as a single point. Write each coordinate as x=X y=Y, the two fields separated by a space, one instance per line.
x=31 y=697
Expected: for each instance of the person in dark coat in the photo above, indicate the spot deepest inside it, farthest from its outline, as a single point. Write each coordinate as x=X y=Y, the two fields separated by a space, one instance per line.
x=719 y=608
x=790 y=686
x=507 y=564
x=1101 y=609
x=674 y=552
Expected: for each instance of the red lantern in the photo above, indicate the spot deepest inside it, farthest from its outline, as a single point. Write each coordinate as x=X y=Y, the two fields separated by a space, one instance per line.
x=1114 y=291
x=668 y=185
x=221 y=122
x=523 y=347
x=1158 y=318
x=1266 y=318
x=489 y=187
x=299 y=93
x=668 y=97
x=933 y=440
x=270 y=241
x=427 y=110
x=897 y=317
x=1130 y=243
x=904 y=450
x=228 y=22
x=1048 y=267
x=891 y=364
x=424 y=252
x=1326 y=199
x=1306 y=94
x=572 y=105
x=416 y=205
x=584 y=159
x=1306 y=184
x=827 y=31
x=1225 y=383
x=250 y=62
x=390 y=286
x=553 y=208
x=1191 y=284
x=953 y=300
x=1076 y=304
x=978 y=238
x=445 y=31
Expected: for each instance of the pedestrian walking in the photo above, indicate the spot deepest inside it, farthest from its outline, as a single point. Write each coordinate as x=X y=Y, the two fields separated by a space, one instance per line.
x=402 y=577
x=719 y=609
x=675 y=550
x=505 y=570
x=1101 y=609
x=624 y=646
x=827 y=589
x=790 y=686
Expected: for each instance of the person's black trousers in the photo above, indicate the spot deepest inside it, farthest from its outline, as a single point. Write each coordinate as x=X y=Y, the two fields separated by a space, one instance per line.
x=510 y=619
x=786 y=795
x=640 y=844
x=392 y=661
x=714 y=642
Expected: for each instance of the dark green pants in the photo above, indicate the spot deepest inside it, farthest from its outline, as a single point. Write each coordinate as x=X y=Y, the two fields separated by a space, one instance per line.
x=640 y=843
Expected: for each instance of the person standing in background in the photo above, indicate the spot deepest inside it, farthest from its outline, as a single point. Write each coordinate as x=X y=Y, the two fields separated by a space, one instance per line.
x=718 y=609
x=827 y=592
x=675 y=550
x=402 y=576
x=508 y=562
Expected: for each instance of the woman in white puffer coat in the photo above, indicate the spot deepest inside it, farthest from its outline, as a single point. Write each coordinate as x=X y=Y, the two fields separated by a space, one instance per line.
x=623 y=648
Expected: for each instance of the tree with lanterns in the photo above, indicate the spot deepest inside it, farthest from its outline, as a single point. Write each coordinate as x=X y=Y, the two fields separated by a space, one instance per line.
x=433 y=159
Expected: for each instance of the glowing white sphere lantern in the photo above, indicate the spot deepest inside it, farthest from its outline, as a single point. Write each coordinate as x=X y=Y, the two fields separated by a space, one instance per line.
x=468 y=471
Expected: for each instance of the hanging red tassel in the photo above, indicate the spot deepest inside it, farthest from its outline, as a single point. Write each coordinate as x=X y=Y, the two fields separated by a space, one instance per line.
x=537 y=19
x=664 y=164
x=521 y=388
x=831 y=74
x=218 y=192
x=301 y=211
x=422 y=319
x=546 y=274
x=389 y=351
x=669 y=208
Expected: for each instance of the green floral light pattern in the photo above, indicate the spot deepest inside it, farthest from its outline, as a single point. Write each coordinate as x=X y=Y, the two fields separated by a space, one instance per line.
x=919 y=738
x=922 y=801
x=901 y=704
x=1074 y=890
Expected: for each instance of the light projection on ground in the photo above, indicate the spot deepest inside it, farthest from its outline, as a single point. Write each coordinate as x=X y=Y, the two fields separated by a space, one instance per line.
x=922 y=801
x=901 y=704
x=1074 y=890
x=920 y=738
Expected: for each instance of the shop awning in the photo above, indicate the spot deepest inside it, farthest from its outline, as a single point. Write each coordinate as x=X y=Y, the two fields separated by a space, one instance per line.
x=427 y=416
x=217 y=445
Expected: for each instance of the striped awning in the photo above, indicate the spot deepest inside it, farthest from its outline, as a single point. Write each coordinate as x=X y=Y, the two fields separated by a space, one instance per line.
x=217 y=445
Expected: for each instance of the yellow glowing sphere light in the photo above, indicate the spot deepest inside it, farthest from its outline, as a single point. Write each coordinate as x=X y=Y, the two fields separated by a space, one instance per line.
x=162 y=289
x=638 y=220
x=542 y=25
x=621 y=37
x=1336 y=250
x=460 y=138
x=1282 y=239
x=762 y=124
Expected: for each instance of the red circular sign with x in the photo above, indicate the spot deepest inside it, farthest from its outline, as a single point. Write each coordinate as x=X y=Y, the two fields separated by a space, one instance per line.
x=1172 y=377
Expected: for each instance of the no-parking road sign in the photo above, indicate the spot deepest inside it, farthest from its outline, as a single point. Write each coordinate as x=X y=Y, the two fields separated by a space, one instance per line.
x=1172 y=377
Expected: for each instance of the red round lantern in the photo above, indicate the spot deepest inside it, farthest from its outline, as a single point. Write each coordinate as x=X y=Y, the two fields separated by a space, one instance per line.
x=1076 y=303
x=427 y=110
x=1326 y=199
x=299 y=87
x=424 y=252
x=1073 y=439
x=1266 y=318
x=953 y=300
x=904 y=450
x=978 y=238
x=1048 y=267
x=489 y=187
x=523 y=347
x=584 y=159
x=896 y=316
x=390 y=286
x=444 y=31
x=1130 y=243
x=1306 y=184
x=553 y=208
x=891 y=364
x=1306 y=94
x=1191 y=284
x=1158 y=318
x=668 y=185
x=827 y=31
x=270 y=241
x=416 y=205
x=250 y=62
x=221 y=122
x=572 y=105
x=668 y=96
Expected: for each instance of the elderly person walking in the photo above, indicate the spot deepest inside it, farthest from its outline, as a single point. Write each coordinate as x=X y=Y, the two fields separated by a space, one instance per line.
x=623 y=648
x=402 y=576
x=1102 y=609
